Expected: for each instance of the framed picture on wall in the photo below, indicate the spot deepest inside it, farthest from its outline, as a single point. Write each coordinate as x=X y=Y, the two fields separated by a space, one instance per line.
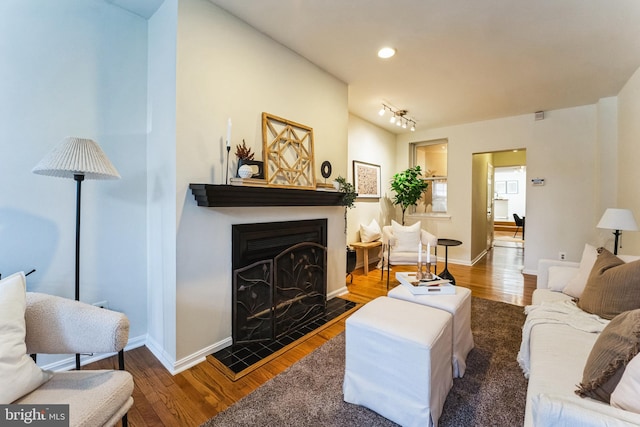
x=501 y=187
x=366 y=179
x=512 y=187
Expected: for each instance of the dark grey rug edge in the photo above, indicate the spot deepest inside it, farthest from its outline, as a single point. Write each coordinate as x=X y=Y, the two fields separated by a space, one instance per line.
x=309 y=393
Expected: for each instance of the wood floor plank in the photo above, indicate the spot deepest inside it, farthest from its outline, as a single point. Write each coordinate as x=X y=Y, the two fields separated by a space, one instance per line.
x=191 y=397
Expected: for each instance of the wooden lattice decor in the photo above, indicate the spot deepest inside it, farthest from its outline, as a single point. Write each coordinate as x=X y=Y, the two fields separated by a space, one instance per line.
x=288 y=153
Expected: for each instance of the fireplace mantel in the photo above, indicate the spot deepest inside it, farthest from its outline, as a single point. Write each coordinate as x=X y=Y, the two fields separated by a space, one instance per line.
x=217 y=195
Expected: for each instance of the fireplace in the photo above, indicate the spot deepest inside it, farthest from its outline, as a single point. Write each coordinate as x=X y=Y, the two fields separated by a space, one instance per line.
x=279 y=278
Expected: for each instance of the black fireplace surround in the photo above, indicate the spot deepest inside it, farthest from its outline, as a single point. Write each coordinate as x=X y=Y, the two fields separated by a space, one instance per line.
x=279 y=278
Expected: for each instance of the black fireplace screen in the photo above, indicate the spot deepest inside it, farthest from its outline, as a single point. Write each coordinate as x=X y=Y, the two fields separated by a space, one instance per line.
x=284 y=285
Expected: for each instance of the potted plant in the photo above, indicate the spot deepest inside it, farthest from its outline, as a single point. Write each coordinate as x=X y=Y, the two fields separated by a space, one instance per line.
x=408 y=187
x=348 y=201
x=349 y=198
x=245 y=162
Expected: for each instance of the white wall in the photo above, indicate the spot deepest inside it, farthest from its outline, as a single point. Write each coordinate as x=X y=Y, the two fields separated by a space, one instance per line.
x=371 y=144
x=562 y=148
x=161 y=182
x=74 y=68
x=628 y=172
x=227 y=69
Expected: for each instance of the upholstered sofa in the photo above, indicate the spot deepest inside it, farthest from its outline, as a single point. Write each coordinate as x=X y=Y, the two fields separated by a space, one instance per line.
x=558 y=338
x=36 y=323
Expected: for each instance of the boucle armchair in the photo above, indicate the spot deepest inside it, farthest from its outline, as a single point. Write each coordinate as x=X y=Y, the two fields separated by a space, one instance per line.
x=56 y=325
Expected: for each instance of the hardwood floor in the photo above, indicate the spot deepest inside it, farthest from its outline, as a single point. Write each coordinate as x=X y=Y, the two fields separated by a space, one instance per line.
x=193 y=396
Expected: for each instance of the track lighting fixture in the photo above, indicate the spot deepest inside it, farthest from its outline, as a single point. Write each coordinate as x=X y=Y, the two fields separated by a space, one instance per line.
x=398 y=117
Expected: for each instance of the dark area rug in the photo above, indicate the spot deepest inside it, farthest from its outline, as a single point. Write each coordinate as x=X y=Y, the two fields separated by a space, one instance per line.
x=309 y=393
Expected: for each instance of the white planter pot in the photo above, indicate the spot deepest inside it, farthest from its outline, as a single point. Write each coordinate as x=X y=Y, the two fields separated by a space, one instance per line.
x=245 y=171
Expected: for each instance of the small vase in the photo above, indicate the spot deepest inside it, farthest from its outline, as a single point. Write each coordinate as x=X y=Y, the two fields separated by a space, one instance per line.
x=245 y=171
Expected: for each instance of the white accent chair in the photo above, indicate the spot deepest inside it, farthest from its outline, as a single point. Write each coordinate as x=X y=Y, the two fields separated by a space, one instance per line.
x=58 y=325
x=392 y=254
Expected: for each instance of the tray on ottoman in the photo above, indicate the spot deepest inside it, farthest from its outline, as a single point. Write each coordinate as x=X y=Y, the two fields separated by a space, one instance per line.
x=437 y=286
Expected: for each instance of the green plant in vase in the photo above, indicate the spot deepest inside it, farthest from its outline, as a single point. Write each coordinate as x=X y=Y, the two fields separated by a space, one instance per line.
x=408 y=186
x=348 y=199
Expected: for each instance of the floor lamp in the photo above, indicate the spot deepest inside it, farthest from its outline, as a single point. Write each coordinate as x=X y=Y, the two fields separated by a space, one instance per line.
x=618 y=220
x=80 y=159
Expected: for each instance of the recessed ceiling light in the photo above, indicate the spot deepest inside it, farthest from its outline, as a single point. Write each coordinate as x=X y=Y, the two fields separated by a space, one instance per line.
x=386 y=52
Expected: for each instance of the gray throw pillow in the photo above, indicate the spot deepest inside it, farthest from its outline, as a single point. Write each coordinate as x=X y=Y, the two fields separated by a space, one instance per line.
x=617 y=344
x=613 y=286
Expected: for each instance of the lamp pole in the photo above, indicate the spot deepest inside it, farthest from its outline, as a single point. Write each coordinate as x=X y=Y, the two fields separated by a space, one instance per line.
x=616 y=233
x=78 y=177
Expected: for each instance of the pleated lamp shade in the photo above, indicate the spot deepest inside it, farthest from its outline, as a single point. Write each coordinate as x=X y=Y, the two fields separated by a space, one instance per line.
x=77 y=156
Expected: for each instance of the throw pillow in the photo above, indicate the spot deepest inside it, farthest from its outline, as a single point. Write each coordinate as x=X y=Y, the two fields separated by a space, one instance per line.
x=19 y=374
x=613 y=286
x=576 y=285
x=625 y=395
x=617 y=344
x=559 y=277
x=371 y=232
x=407 y=238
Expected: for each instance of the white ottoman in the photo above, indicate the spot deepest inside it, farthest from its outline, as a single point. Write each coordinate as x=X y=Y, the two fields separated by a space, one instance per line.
x=459 y=305
x=398 y=360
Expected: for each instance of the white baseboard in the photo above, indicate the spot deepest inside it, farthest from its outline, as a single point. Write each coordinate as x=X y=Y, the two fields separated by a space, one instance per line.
x=343 y=290
x=175 y=367
x=200 y=356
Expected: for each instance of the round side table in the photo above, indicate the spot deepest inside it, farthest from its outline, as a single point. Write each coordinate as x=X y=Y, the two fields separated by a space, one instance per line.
x=446 y=243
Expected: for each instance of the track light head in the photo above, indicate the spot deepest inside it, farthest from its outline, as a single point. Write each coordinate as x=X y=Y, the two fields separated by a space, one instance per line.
x=398 y=117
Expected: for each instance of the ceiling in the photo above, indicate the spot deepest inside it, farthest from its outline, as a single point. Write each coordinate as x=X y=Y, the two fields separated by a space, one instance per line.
x=459 y=61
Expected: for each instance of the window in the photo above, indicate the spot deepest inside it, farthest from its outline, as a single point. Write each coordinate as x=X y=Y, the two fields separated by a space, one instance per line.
x=431 y=156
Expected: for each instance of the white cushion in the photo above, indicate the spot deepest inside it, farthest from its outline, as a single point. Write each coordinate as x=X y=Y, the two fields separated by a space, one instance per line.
x=559 y=277
x=565 y=411
x=578 y=282
x=19 y=374
x=371 y=232
x=625 y=395
x=407 y=238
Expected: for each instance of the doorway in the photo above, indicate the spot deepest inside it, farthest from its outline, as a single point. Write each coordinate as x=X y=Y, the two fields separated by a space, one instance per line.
x=499 y=191
x=510 y=201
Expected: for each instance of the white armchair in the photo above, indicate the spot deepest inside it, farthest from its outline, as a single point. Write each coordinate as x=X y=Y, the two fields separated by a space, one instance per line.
x=56 y=325
x=401 y=247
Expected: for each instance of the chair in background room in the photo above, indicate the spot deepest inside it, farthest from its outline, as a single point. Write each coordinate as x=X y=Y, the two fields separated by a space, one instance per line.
x=519 y=224
x=400 y=245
